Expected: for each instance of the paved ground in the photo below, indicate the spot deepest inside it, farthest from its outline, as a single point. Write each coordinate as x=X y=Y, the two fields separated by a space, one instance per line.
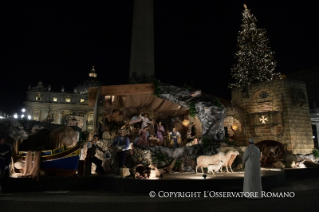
x=306 y=199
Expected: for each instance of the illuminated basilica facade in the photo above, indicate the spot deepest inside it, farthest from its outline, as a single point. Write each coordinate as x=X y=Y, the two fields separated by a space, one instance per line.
x=62 y=107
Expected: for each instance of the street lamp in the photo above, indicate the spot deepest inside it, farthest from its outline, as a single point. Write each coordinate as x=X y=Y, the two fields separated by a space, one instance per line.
x=15 y=116
x=23 y=110
x=29 y=117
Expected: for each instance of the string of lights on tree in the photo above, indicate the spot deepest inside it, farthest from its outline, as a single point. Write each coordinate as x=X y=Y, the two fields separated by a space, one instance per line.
x=255 y=59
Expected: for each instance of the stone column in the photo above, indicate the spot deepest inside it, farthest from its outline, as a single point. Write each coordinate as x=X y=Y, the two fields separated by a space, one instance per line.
x=84 y=121
x=142 y=45
x=44 y=114
x=40 y=115
x=59 y=116
x=29 y=112
x=33 y=114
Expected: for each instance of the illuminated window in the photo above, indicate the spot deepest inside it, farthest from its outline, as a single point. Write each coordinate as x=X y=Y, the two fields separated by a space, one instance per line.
x=92 y=74
x=67 y=99
x=38 y=97
x=81 y=100
x=55 y=99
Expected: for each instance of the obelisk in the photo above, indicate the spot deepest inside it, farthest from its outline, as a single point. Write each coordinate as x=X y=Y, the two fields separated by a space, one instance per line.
x=142 y=45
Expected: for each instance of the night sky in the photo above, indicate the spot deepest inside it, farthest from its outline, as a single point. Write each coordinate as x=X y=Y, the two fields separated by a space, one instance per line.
x=57 y=42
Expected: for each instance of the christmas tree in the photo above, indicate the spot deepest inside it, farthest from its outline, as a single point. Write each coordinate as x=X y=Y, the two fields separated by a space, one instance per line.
x=255 y=59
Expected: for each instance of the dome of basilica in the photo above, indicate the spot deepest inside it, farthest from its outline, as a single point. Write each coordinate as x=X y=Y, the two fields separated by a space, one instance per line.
x=84 y=86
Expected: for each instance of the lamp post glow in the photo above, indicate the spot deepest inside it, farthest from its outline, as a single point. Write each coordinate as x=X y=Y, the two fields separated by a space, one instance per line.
x=23 y=110
x=22 y=115
x=15 y=116
x=234 y=127
x=29 y=117
x=185 y=122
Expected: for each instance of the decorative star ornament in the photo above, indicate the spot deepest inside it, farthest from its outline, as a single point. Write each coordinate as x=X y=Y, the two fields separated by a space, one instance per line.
x=263 y=120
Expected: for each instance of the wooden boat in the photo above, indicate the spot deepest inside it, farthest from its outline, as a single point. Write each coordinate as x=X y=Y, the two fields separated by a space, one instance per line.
x=61 y=161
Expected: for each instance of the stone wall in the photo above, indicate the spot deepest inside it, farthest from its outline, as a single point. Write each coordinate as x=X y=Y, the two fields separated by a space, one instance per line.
x=277 y=110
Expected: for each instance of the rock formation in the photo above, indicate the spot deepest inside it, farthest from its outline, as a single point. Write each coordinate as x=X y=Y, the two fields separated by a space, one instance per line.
x=208 y=109
x=14 y=129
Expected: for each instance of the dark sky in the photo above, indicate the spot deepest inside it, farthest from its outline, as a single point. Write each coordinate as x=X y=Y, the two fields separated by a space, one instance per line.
x=57 y=42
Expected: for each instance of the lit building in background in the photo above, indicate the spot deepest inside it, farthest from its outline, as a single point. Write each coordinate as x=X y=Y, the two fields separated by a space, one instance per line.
x=62 y=106
x=3 y=115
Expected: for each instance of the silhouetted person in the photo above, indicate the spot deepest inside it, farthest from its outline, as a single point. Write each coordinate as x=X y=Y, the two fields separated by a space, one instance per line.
x=252 y=178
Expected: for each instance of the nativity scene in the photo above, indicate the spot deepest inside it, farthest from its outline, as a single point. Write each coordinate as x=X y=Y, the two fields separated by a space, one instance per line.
x=146 y=130
x=160 y=126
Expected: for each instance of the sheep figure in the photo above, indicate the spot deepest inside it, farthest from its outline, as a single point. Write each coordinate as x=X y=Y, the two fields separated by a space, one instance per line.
x=214 y=168
x=301 y=164
x=298 y=164
x=293 y=164
x=279 y=165
x=204 y=161
x=226 y=158
x=231 y=160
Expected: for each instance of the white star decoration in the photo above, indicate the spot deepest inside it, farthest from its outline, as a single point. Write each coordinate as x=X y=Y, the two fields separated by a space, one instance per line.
x=263 y=120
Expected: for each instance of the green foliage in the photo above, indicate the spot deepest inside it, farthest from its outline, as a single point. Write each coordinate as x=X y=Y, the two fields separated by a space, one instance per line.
x=177 y=164
x=255 y=59
x=157 y=89
x=217 y=103
x=162 y=157
x=192 y=109
x=230 y=142
x=315 y=152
